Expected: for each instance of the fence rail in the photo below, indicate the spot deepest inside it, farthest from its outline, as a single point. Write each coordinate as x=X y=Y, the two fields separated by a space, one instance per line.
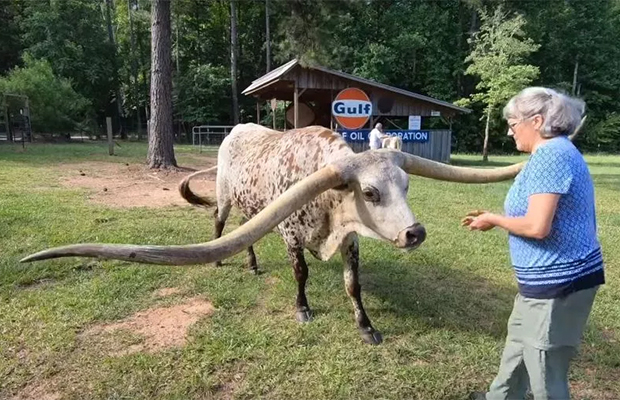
x=436 y=148
x=213 y=135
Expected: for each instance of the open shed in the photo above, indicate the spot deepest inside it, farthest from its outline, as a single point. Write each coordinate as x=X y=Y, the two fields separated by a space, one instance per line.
x=312 y=90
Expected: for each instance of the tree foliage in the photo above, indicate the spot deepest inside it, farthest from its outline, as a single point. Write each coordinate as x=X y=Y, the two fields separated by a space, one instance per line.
x=499 y=50
x=54 y=105
x=421 y=46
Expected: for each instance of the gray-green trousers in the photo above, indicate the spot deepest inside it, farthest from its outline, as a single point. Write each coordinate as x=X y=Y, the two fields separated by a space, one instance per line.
x=543 y=337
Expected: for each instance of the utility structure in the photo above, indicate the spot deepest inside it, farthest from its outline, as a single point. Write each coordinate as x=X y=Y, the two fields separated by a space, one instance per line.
x=311 y=91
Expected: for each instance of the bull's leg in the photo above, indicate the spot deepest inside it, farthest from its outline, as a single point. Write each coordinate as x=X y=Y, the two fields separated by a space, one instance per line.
x=252 y=260
x=350 y=257
x=300 y=270
x=221 y=214
x=251 y=256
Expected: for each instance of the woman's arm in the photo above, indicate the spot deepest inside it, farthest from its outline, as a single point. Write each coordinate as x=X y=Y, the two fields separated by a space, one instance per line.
x=535 y=224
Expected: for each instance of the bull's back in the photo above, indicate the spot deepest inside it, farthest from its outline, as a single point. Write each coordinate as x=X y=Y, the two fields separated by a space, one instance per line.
x=259 y=164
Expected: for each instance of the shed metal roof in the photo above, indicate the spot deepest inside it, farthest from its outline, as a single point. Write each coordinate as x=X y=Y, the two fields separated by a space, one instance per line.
x=278 y=73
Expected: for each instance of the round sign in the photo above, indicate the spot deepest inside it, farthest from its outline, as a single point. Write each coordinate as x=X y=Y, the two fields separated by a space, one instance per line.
x=352 y=108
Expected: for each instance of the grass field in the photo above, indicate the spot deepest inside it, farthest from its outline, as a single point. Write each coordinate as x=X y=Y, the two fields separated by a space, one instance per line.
x=442 y=309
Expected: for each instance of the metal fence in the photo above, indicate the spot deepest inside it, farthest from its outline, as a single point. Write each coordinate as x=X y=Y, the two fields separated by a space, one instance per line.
x=436 y=148
x=209 y=135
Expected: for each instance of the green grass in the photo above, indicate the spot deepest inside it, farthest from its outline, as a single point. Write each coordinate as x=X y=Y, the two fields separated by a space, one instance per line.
x=442 y=309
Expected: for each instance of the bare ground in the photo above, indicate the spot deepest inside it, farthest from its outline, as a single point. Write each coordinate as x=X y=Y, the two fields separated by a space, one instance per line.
x=134 y=185
x=156 y=328
x=152 y=330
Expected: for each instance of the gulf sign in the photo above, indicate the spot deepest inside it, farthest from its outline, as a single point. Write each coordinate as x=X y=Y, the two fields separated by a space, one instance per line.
x=352 y=108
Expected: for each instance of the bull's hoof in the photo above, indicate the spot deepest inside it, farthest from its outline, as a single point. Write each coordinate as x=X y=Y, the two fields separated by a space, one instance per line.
x=218 y=263
x=256 y=271
x=371 y=336
x=304 y=316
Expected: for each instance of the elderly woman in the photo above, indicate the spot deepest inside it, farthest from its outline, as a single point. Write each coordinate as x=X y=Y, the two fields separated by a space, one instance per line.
x=550 y=217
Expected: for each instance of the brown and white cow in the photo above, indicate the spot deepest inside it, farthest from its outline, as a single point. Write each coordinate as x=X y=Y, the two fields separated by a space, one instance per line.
x=316 y=191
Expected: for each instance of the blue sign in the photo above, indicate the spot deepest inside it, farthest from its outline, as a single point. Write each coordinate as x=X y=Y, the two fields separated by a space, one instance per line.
x=408 y=136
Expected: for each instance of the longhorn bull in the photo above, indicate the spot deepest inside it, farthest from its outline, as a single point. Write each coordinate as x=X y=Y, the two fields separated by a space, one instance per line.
x=311 y=186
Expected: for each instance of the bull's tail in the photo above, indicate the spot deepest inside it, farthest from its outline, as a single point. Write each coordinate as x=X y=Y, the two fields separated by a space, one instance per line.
x=190 y=196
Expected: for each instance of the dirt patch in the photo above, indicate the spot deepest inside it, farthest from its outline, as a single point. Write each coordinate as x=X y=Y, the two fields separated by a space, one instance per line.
x=134 y=185
x=39 y=390
x=165 y=292
x=230 y=383
x=157 y=328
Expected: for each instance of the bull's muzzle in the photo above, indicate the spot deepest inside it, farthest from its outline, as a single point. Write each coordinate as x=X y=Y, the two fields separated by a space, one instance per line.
x=411 y=237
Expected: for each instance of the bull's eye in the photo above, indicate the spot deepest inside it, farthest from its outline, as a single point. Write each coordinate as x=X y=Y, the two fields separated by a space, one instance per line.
x=371 y=194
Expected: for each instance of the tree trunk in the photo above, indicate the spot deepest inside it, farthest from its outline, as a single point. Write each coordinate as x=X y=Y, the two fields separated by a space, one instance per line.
x=117 y=92
x=233 y=60
x=267 y=37
x=161 y=150
x=575 y=73
x=485 y=147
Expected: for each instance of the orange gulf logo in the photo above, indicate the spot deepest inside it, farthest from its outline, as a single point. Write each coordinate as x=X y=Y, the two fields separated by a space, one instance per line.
x=352 y=108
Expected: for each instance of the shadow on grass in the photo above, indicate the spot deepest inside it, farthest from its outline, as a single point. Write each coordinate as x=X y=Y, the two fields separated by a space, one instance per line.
x=439 y=296
x=607 y=181
x=37 y=154
x=604 y=164
x=459 y=162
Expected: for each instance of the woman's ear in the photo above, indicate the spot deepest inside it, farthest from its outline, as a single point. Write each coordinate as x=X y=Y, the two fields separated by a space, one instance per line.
x=538 y=122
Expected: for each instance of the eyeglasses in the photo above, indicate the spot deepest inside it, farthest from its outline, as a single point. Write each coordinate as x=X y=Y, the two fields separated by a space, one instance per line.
x=511 y=127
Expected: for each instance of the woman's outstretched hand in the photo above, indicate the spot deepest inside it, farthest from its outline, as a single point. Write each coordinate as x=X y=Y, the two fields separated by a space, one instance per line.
x=478 y=220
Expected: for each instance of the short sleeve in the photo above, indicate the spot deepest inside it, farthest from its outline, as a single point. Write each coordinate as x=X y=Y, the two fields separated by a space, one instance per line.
x=550 y=170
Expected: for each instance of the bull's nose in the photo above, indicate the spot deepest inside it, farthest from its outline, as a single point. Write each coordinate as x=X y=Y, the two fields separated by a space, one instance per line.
x=412 y=236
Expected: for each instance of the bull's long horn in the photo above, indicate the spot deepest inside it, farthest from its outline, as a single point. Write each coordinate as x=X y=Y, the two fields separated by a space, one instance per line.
x=219 y=249
x=431 y=169
x=576 y=132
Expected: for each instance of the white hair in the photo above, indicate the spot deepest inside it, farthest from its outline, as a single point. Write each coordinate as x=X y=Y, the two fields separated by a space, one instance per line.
x=379 y=125
x=561 y=113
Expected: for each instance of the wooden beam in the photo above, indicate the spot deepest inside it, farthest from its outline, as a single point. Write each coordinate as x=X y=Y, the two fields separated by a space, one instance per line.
x=296 y=106
x=257 y=111
x=273 y=112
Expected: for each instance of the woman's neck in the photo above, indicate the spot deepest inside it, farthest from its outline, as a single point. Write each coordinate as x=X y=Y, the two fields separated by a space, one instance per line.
x=538 y=143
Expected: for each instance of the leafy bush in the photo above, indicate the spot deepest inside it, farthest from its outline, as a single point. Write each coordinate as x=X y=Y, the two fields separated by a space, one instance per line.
x=54 y=105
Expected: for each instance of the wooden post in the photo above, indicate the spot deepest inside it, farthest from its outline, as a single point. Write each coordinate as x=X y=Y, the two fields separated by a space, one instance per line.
x=108 y=121
x=27 y=119
x=274 y=105
x=9 y=137
x=296 y=105
x=258 y=111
